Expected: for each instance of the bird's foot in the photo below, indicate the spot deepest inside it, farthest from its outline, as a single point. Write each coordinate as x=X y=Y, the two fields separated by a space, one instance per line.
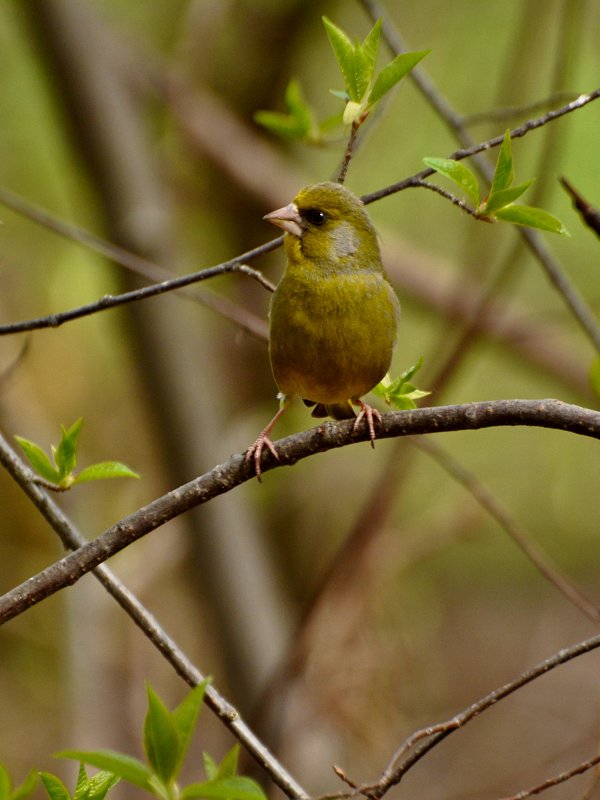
x=255 y=451
x=369 y=414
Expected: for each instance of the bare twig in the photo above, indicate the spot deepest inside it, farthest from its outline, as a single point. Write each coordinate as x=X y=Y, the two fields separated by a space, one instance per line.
x=73 y=539
x=349 y=150
x=468 y=152
x=555 y=780
x=589 y=214
x=134 y=263
x=417 y=183
x=74 y=233
x=575 y=302
x=521 y=538
x=12 y=367
x=454 y=121
x=111 y=301
x=402 y=760
x=512 y=112
x=223 y=478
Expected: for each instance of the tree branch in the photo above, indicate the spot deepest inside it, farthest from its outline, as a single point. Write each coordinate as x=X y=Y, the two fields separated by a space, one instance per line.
x=574 y=301
x=418 y=183
x=72 y=538
x=224 y=477
x=111 y=301
x=555 y=274
x=555 y=780
x=136 y=264
x=589 y=214
x=426 y=739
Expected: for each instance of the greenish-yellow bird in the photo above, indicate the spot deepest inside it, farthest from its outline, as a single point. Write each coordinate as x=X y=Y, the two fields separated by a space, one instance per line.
x=334 y=315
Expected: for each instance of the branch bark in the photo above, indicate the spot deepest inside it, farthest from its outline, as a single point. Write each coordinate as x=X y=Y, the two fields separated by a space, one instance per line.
x=72 y=539
x=225 y=477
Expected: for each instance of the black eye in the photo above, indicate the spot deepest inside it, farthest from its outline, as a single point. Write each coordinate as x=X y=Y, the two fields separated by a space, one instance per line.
x=314 y=216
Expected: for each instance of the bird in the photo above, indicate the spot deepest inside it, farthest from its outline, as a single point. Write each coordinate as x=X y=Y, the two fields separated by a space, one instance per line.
x=334 y=315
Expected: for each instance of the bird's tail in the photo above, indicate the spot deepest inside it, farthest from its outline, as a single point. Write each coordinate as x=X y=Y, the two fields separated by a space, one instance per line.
x=335 y=411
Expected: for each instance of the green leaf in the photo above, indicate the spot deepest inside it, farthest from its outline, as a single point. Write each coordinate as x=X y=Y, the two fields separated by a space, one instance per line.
x=283 y=125
x=99 y=785
x=126 y=767
x=504 y=197
x=26 y=787
x=226 y=769
x=185 y=717
x=54 y=787
x=299 y=123
x=341 y=95
x=161 y=741
x=370 y=47
x=211 y=768
x=532 y=218
x=82 y=785
x=387 y=385
x=503 y=174
x=66 y=452
x=238 y=788
x=411 y=371
x=96 y=787
x=4 y=783
x=103 y=470
x=393 y=72
x=353 y=62
x=229 y=765
x=39 y=460
x=399 y=392
x=457 y=172
x=327 y=125
x=296 y=103
x=408 y=398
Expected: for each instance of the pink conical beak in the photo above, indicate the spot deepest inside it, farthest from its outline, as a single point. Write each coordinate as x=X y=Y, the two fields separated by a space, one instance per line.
x=287 y=218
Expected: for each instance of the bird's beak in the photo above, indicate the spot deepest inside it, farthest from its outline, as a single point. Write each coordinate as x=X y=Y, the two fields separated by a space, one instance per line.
x=287 y=218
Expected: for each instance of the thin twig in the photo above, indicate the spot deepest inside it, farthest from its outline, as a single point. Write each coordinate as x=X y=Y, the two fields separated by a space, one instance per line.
x=589 y=214
x=349 y=150
x=449 y=196
x=468 y=152
x=12 y=367
x=521 y=538
x=400 y=762
x=225 y=477
x=133 y=263
x=71 y=537
x=556 y=779
x=111 y=301
x=257 y=276
x=454 y=121
x=575 y=302
x=512 y=112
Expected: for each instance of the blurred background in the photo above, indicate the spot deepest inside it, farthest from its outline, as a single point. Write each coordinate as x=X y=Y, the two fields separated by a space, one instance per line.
x=361 y=594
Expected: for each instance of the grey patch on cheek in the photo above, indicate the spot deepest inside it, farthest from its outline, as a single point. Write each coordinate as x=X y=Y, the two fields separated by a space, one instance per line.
x=344 y=239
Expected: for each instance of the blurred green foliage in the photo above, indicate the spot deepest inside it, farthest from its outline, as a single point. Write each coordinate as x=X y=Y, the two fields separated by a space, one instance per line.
x=437 y=604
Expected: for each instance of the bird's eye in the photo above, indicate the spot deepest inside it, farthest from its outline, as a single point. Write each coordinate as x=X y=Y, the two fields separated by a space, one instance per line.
x=314 y=216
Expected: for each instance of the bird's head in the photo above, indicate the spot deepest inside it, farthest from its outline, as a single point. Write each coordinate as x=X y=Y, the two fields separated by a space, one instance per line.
x=327 y=224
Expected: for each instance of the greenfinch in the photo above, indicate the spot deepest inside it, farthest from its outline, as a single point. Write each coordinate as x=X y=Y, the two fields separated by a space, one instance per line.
x=334 y=315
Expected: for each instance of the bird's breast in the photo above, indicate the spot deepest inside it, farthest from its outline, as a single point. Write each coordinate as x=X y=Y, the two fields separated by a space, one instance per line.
x=332 y=339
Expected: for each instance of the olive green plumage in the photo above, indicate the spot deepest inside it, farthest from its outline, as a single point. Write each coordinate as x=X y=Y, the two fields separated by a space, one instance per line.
x=334 y=315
